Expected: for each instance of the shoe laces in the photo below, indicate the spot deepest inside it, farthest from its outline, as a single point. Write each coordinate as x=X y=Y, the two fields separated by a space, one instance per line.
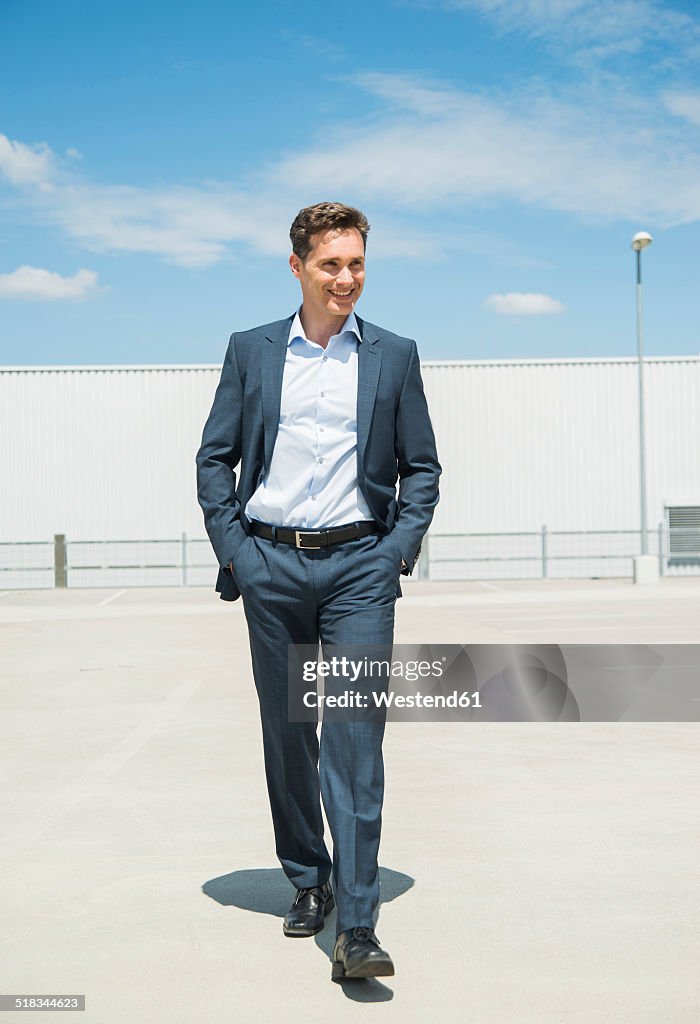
x=318 y=889
x=363 y=934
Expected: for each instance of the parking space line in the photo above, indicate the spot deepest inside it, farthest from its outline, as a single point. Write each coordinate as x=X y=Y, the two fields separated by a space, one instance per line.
x=112 y=598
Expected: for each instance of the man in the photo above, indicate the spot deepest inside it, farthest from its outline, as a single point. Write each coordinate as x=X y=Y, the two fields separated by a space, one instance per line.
x=324 y=412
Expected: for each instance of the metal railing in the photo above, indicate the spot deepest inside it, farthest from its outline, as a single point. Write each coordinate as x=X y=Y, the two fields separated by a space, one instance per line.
x=105 y=563
x=543 y=554
x=189 y=561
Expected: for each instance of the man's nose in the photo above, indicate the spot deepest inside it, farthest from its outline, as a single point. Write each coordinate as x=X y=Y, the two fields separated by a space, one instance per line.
x=344 y=276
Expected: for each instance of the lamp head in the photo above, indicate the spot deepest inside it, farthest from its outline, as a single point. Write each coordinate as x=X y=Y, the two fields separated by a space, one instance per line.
x=641 y=240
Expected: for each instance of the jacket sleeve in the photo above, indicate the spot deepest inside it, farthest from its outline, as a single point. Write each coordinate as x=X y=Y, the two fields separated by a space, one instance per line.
x=217 y=458
x=418 y=466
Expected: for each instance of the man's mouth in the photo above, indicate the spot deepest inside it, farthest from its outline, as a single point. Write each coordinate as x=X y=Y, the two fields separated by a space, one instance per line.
x=341 y=295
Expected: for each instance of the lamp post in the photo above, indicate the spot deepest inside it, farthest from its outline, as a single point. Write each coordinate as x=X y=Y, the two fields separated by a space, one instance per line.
x=646 y=569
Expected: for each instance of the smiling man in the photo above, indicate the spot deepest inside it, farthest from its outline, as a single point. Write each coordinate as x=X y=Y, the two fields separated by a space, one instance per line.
x=326 y=414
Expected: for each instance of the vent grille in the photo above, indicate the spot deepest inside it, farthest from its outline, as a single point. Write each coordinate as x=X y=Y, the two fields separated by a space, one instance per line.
x=683 y=523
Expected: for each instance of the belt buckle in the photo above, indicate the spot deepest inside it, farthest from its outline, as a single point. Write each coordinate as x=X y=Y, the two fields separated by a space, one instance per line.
x=299 y=534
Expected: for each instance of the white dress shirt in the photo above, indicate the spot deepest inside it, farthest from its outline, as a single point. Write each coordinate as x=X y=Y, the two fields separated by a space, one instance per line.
x=312 y=481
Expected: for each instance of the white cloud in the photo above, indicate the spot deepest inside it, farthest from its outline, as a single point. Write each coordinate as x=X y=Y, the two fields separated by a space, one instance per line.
x=603 y=28
x=523 y=304
x=37 y=283
x=26 y=165
x=199 y=226
x=438 y=147
x=683 y=104
x=435 y=149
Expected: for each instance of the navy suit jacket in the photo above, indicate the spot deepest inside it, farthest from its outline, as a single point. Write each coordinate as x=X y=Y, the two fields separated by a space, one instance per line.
x=395 y=440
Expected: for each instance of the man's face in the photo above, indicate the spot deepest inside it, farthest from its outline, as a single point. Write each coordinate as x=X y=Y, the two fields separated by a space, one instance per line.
x=333 y=274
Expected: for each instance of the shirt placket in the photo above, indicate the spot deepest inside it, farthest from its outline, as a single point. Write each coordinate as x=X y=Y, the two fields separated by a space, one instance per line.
x=318 y=477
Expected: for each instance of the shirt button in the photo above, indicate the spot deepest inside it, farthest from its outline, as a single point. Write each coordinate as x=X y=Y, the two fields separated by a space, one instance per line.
x=325 y=359
x=323 y=394
x=321 y=429
x=313 y=497
x=320 y=458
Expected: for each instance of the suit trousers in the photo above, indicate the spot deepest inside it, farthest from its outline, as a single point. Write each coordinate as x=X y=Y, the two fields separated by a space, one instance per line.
x=342 y=595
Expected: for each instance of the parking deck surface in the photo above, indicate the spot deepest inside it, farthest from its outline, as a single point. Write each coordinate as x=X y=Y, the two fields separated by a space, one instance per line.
x=530 y=871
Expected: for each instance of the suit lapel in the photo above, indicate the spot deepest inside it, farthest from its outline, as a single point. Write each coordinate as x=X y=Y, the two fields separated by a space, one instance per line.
x=369 y=361
x=271 y=373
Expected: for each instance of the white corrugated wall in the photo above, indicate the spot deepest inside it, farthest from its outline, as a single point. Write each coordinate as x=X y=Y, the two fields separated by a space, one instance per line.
x=108 y=452
x=102 y=452
x=555 y=443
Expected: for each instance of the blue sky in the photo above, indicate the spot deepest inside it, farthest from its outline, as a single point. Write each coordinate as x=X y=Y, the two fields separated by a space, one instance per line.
x=153 y=155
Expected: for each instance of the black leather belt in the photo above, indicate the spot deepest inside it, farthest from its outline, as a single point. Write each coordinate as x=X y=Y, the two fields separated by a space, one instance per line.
x=313 y=538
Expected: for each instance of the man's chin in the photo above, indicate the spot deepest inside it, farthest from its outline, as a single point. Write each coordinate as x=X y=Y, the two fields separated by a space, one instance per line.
x=341 y=309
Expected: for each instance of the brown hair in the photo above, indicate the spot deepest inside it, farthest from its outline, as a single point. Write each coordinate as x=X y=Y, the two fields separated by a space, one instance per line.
x=321 y=218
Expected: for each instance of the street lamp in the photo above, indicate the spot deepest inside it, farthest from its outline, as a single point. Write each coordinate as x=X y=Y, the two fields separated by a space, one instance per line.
x=646 y=568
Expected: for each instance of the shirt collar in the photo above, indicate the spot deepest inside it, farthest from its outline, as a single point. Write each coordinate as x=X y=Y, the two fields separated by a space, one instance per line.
x=297 y=328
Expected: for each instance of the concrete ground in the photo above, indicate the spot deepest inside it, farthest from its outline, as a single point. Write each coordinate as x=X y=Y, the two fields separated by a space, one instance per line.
x=530 y=872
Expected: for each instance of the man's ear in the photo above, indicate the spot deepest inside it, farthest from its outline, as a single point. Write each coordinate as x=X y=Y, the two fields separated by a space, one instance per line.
x=295 y=264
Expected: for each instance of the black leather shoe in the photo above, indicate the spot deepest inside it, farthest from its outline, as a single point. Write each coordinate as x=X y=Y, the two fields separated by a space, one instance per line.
x=357 y=954
x=307 y=913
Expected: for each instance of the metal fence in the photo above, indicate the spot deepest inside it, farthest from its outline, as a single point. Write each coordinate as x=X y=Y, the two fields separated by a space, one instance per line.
x=189 y=561
x=557 y=554
x=61 y=562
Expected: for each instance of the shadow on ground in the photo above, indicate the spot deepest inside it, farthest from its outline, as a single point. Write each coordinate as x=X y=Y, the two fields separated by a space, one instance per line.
x=268 y=891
